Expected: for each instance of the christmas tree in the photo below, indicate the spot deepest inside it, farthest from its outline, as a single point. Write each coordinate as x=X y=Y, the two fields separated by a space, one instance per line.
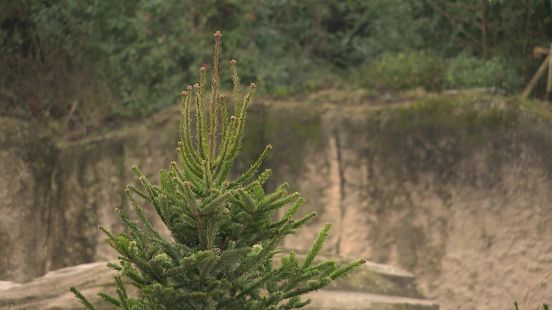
x=225 y=231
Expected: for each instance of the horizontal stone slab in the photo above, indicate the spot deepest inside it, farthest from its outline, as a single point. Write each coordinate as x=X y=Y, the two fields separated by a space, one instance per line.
x=52 y=290
x=343 y=300
x=375 y=278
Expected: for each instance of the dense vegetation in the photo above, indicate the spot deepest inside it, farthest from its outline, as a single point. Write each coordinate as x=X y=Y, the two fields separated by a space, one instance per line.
x=88 y=61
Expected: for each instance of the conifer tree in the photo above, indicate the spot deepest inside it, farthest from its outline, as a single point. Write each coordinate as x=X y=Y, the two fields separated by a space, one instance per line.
x=225 y=232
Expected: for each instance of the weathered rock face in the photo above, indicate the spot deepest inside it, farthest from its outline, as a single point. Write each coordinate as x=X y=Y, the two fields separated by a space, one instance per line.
x=457 y=193
x=91 y=176
x=26 y=207
x=455 y=189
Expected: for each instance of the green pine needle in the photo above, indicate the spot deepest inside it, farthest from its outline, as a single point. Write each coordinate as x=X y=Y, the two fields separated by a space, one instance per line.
x=87 y=304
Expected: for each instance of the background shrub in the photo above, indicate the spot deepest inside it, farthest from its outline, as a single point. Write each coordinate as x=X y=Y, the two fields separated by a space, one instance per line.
x=406 y=70
x=466 y=71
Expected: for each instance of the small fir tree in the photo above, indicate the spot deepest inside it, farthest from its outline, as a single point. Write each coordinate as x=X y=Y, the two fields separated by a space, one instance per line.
x=225 y=233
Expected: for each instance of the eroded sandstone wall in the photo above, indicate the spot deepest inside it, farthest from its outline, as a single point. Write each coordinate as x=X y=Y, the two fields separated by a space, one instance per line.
x=455 y=189
x=27 y=161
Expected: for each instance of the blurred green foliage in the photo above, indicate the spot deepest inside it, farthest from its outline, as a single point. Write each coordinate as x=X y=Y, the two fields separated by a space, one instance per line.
x=465 y=71
x=99 y=59
x=406 y=70
x=430 y=71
